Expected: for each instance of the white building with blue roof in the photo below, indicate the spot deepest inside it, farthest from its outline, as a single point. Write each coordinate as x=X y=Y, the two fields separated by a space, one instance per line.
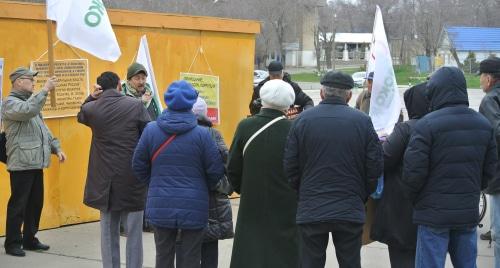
x=482 y=41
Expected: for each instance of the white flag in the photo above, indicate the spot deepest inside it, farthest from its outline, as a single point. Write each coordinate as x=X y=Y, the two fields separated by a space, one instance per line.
x=144 y=58
x=85 y=24
x=385 y=105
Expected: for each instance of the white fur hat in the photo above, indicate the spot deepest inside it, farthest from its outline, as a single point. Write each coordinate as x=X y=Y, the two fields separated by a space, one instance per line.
x=200 y=107
x=277 y=94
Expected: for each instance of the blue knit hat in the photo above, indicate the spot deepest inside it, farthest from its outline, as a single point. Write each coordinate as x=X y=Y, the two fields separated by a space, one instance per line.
x=180 y=96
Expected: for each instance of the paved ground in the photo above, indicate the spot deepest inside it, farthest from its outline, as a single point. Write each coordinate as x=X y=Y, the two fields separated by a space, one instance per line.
x=78 y=246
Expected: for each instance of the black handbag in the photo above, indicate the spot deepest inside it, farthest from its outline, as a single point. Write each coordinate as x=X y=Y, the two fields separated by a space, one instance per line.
x=3 y=149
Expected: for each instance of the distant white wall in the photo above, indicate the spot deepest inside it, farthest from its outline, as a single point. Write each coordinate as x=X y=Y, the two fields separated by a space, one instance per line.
x=308 y=58
x=449 y=60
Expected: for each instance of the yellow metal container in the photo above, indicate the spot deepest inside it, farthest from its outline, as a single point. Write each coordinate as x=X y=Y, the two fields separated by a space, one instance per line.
x=174 y=40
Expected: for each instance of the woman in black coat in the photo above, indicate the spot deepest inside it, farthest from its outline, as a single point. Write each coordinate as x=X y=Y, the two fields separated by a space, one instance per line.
x=393 y=223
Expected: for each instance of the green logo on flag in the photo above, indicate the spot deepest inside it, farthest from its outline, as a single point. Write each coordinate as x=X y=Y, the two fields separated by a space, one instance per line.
x=93 y=18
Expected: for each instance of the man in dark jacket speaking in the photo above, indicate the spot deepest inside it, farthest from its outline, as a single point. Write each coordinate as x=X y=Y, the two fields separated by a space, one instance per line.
x=450 y=158
x=333 y=159
x=117 y=122
x=275 y=69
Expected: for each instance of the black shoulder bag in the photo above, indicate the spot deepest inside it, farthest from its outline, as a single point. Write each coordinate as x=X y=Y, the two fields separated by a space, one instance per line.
x=3 y=149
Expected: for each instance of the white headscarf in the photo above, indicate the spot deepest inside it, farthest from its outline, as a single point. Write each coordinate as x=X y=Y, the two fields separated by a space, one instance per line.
x=200 y=107
x=277 y=94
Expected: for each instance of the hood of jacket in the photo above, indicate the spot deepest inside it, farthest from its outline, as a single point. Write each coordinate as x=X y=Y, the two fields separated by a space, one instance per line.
x=447 y=87
x=177 y=122
x=416 y=102
x=203 y=120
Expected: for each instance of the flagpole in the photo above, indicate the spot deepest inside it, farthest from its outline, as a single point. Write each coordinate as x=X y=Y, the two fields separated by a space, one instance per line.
x=372 y=45
x=51 y=60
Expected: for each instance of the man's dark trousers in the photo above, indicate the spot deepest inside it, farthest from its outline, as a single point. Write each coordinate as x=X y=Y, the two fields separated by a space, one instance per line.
x=346 y=238
x=25 y=206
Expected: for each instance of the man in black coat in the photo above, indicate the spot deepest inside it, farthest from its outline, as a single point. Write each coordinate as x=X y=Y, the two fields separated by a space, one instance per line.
x=333 y=158
x=450 y=158
x=111 y=187
x=490 y=108
x=393 y=224
x=275 y=69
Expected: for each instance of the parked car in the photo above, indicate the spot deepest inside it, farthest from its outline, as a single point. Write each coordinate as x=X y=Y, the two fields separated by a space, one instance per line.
x=258 y=76
x=359 y=78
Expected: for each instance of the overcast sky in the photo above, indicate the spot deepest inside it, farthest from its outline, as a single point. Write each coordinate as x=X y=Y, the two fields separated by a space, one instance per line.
x=329 y=1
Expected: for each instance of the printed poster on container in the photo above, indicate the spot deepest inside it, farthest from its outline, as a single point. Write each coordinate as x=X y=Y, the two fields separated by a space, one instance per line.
x=72 y=86
x=208 y=86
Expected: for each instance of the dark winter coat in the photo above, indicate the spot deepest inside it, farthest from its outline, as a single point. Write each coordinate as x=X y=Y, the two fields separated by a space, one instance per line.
x=266 y=233
x=450 y=157
x=490 y=108
x=181 y=175
x=333 y=159
x=301 y=99
x=116 y=122
x=393 y=224
x=220 y=215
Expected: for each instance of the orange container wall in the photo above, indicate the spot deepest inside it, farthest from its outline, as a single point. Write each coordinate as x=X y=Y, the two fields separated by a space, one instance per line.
x=228 y=46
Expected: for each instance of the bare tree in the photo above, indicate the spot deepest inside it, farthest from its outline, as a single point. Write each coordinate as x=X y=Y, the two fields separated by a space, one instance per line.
x=414 y=24
x=317 y=47
x=327 y=41
x=279 y=24
x=430 y=21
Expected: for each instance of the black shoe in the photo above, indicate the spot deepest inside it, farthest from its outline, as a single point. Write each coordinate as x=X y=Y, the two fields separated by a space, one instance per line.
x=486 y=236
x=37 y=245
x=15 y=251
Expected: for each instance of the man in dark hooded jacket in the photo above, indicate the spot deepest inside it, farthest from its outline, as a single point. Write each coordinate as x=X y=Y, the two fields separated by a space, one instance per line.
x=450 y=158
x=393 y=223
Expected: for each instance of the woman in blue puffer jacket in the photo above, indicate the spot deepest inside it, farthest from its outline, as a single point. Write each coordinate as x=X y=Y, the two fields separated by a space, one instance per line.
x=181 y=163
x=220 y=217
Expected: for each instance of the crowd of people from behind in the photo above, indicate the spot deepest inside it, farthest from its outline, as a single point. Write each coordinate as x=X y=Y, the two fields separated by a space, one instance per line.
x=304 y=173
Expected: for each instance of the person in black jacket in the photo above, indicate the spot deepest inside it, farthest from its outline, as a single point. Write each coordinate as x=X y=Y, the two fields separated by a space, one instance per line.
x=393 y=217
x=490 y=108
x=275 y=68
x=450 y=158
x=333 y=158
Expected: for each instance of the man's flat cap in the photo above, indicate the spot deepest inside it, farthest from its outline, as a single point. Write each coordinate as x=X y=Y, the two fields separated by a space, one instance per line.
x=338 y=80
x=490 y=65
x=21 y=71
